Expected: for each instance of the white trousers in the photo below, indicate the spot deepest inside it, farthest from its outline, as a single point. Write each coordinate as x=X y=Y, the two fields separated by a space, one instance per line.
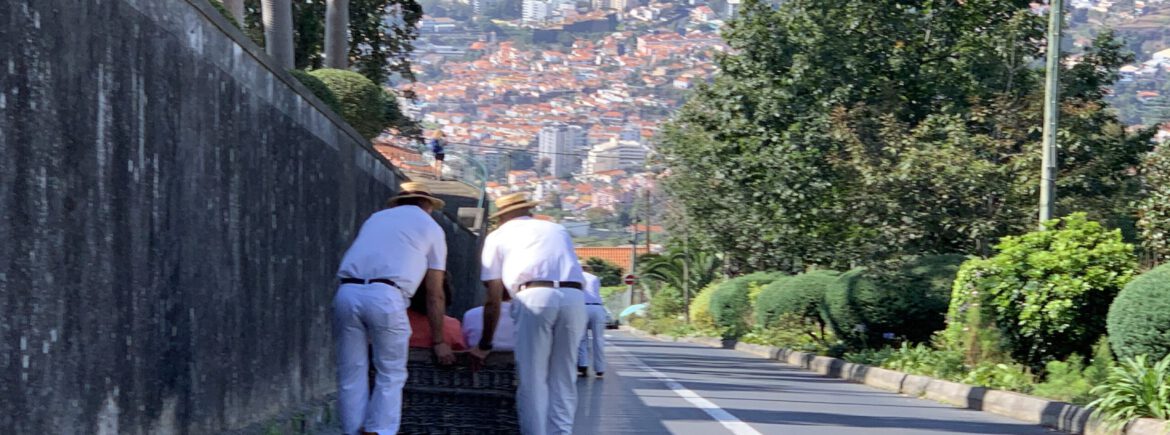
x=549 y=324
x=596 y=328
x=364 y=315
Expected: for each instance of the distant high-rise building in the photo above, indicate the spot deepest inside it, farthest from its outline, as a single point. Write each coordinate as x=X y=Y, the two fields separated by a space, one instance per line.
x=617 y=5
x=537 y=11
x=615 y=154
x=560 y=144
x=732 y=8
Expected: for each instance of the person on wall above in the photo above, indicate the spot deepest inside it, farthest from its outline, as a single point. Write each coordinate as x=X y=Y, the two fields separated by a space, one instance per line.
x=437 y=144
x=505 y=336
x=394 y=250
x=534 y=260
x=422 y=334
x=594 y=329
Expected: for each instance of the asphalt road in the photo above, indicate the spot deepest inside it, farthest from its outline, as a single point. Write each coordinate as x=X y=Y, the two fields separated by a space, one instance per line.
x=655 y=387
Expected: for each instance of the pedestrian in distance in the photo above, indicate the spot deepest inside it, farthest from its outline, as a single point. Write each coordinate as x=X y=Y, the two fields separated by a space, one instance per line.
x=394 y=251
x=440 y=153
x=534 y=261
x=593 y=339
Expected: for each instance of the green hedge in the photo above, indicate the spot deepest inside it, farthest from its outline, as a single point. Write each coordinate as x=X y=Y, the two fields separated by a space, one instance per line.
x=700 y=308
x=801 y=295
x=1139 y=319
x=731 y=302
x=909 y=301
x=1048 y=291
x=363 y=104
x=318 y=88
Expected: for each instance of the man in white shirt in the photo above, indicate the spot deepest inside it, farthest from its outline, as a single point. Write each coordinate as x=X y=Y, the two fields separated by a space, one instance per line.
x=595 y=311
x=392 y=253
x=534 y=261
x=505 y=336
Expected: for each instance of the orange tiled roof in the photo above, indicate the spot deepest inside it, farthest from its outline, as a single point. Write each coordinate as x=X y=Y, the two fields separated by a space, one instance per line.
x=619 y=255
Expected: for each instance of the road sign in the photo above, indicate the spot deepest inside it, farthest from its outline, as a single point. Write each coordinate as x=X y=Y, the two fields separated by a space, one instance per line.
x=630 y=279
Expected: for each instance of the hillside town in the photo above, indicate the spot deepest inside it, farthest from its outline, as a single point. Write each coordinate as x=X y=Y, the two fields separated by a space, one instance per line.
x=573 y=123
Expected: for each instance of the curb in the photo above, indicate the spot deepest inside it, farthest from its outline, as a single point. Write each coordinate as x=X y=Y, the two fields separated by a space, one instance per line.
x=1048 y=413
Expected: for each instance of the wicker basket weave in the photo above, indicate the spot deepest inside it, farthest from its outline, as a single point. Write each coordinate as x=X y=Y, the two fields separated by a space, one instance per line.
x=453 y=399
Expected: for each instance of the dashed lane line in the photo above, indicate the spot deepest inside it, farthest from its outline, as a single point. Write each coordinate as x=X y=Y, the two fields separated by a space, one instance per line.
x=733 y=424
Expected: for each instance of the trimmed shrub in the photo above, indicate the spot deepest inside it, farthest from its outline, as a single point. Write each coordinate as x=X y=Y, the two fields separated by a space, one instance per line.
x=1139 y=319
x=731 y=303
x=1047 y=291
x=363 y=104
x=908 y=301
x=318 y=88
x=801 y=295
x=700 y=308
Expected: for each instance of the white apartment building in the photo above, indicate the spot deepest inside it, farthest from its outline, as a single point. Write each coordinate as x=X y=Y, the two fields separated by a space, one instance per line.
x=615 y=154
x=537 y=11
x=562 y=145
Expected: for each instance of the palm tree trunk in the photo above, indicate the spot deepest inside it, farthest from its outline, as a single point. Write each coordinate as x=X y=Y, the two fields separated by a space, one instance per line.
x=236 y=8
x=336 y=34
x=278 y=34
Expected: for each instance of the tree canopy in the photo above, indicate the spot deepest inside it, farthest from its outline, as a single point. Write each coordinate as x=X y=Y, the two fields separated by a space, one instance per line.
x=841 y=133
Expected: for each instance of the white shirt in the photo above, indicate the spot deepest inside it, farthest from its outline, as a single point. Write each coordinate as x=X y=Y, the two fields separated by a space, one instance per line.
x=398 y=244
x=592 y=289
x=505 y=336
x=526 y=249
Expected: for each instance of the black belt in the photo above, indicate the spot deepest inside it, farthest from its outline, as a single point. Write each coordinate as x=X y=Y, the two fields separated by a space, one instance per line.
x=592 y=303
x=388 y=282
x=552 y=284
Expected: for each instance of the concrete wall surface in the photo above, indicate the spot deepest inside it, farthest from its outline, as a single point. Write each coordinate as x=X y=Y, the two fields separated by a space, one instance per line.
x=173 y=211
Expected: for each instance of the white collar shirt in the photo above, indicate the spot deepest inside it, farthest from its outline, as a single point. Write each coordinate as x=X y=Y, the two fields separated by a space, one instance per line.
x=505 y=336
x=526 y=249
x=398 y=244
x=592 y=289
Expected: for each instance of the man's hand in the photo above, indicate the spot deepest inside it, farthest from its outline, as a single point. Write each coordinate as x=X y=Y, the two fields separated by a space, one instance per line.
x=443 y=354
x=478 y=353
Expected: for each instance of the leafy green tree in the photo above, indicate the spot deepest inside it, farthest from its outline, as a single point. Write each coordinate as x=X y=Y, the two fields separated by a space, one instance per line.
x=609 y=273
x=668 y=269
x=376 y=50
x=1154 y=209
x=841 y=133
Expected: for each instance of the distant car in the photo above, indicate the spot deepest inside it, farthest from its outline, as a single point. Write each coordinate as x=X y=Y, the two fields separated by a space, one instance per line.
x=611 y=322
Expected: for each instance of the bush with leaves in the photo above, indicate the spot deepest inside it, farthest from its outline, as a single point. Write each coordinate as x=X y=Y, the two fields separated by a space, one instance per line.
x=364 y=104
x=1139 y=319
x=801 y=296
x=921 y=359
x=700 y=309
x=1049 y=290
x=1137 y=387
x=1071 y=381
x=731 y=303
x=908 y=300
x=667 y=302
x=609 y=273
x=999 y=376
x=318 y=88
x=791 y=332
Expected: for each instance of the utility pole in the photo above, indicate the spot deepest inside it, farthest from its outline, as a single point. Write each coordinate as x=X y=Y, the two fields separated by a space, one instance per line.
x=633 y=257
x=1051 y=112
x=647 y=220
x=686 y=272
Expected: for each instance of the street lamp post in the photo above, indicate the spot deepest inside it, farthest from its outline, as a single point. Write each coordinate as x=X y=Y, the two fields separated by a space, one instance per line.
x=1051 y=112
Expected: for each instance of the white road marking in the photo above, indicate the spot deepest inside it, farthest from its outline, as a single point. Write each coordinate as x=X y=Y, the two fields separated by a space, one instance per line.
x=735 y=425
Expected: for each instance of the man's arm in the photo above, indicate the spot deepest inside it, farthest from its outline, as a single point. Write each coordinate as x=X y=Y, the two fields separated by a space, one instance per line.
x=436 y=309
x=491 y=317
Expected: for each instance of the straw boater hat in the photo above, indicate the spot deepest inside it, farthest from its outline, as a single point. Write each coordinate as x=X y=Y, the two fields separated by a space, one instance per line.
x=414 y=189
x=513 y=202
